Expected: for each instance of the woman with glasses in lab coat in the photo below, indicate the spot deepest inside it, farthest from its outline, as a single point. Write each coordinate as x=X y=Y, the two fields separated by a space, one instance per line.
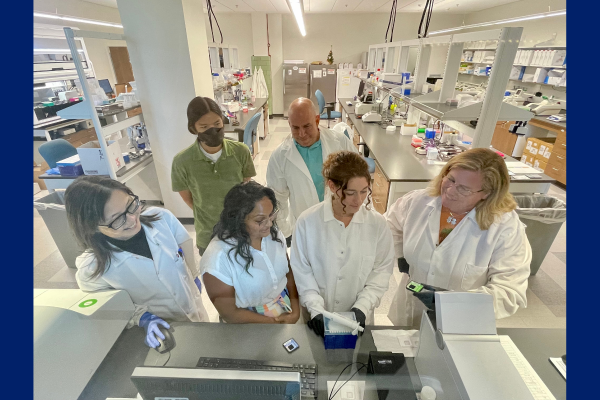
x=147 y=253
x=342 y=251
x=461 y=234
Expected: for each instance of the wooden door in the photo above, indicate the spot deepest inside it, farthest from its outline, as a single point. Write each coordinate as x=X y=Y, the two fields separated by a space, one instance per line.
x=503 y=140
x=121 y=64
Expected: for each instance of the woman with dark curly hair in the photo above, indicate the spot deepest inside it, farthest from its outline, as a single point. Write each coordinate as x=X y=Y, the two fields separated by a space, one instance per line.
x=245 y=267
x=342 y=250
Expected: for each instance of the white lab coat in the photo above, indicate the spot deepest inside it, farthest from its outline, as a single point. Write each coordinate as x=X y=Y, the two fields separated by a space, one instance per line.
x=339 y=268
x=163 y=286
x=494 y=261
x=288 y=176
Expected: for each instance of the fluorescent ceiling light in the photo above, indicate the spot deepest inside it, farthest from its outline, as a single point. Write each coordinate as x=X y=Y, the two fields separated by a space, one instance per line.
x=297 y=8
x=503 y=21
x=54 y=50
x=73 y=19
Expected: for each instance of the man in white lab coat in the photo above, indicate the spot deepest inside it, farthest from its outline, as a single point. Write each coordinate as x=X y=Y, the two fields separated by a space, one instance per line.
x=294 y=170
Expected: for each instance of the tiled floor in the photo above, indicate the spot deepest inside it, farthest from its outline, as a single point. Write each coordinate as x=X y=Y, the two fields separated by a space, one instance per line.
x=546 y=295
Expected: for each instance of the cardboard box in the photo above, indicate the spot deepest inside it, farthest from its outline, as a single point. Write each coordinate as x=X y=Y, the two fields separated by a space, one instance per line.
x=539 y=164
x=516 y=73
x=93 y=160
x=545 y=150
x=540 y=75
x=533 y=145
x=39 y=170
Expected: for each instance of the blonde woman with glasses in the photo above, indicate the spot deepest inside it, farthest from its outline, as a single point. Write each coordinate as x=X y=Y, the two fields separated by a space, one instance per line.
x=460 y=234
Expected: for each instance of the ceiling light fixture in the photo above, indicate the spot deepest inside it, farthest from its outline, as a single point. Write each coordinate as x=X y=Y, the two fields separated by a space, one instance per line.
x=503 y=21
x=73 y=19
x=297 y=8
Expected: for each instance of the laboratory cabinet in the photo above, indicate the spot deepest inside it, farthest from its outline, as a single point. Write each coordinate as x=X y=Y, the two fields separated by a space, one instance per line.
x=556 y=166
x=380 y=191
x=504 y=140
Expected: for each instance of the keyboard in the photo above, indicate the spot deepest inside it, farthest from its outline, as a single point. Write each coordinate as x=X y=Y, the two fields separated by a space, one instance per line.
x=308 y=372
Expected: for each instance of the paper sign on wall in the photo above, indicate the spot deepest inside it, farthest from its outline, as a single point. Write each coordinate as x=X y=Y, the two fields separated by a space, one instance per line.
x=324 y=72
x=331 y=71
x=295 y=68
x=346 y=81
x=302 y=70
x=317 y=73
x=289 y=71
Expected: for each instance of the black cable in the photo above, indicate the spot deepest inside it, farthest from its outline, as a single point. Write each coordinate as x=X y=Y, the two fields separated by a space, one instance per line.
x=210 y=20
x=394 y=21
x=428 y=10
x=331 y=396
x=389 y=21
x=216 y=21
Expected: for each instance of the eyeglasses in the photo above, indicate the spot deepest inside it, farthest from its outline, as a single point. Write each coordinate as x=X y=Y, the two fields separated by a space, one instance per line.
x=121 y=219
x=462 y=190
x=271 y=218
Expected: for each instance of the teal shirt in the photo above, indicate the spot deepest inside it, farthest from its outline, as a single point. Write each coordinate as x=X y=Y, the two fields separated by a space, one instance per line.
x=313 y=158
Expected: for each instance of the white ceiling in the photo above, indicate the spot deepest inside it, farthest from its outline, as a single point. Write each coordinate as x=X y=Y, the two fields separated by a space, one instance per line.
x=339 y=6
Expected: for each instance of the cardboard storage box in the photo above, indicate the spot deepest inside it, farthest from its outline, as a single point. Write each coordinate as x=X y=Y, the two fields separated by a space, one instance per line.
x=539 y=164
x=534 y=144
x=93 y=160
x=545 y=150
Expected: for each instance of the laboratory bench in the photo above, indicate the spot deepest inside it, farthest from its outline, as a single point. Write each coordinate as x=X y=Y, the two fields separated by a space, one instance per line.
x=400 y=170
x=139 y=174
x=259 y=105
x=264 y=342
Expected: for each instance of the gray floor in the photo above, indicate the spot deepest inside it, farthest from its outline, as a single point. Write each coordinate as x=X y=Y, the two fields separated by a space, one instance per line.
x=546 y=295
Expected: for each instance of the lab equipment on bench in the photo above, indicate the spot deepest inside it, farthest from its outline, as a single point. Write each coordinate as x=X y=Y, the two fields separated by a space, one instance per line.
x=73 y=332
x=361 y=108
x=389 y=373
x=371 y=116
x=462 y=355
x=308 y=372
x=558 y=118
x=195 y=383
x=548 y=106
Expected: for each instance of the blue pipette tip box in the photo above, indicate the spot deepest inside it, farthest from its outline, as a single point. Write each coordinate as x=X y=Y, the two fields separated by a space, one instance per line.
x=338 y=336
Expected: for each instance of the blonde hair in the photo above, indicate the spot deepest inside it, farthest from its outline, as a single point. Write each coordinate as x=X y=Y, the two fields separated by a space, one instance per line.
x=495 y=183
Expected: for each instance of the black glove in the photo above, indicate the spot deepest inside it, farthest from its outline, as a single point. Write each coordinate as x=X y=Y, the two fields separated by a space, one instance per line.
x=361 y=318
x=317 y=325
x=403 y=265
x=427 y=296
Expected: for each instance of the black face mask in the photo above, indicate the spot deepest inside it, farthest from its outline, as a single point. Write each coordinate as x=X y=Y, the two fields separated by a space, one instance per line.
x=212 y=137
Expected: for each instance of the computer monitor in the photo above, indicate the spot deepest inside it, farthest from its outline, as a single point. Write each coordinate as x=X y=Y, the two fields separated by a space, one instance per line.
x=105 y=85
x=215 y=384
x=361 y=88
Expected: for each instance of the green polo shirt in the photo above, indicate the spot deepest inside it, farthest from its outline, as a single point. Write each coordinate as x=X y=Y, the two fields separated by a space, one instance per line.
x=210 y=181
x=313 y=158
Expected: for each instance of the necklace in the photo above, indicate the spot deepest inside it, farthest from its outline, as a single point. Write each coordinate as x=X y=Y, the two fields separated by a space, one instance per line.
x=452 y=219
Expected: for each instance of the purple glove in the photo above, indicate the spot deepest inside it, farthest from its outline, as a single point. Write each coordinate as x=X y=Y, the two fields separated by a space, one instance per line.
x=198 y=283
x=151 y=323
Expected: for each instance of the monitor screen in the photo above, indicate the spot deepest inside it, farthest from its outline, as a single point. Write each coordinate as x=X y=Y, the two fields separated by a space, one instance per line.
x=105 y=85
x=361 y=88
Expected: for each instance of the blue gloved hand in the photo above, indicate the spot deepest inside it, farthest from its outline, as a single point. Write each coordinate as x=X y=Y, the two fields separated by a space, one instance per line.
x=198 y=283
x=150 y=322
x=427 y=296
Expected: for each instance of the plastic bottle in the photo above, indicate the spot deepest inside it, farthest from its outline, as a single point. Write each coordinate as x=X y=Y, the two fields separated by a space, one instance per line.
x=429 y=138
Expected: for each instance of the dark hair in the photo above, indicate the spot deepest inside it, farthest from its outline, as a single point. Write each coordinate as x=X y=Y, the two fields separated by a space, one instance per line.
x=198 y=108
x=341 y=166
x=85 y=199
x=231 y=228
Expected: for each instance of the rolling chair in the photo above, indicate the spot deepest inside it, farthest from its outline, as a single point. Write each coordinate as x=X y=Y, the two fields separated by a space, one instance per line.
x=329 y=114
x=56 y=150
x=247 y=134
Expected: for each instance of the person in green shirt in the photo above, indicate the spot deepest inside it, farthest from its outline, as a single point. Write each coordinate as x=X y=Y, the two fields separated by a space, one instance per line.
x=204 y=172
